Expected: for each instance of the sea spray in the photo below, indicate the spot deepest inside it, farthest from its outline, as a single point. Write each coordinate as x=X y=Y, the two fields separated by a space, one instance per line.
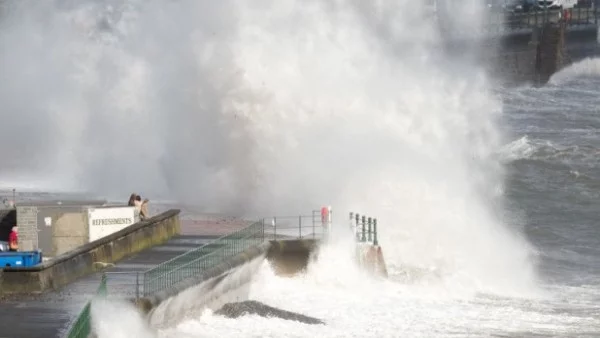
x=271 y=107
x=118 y=319
x=345 y=114
x=588 y=67
x=211 y=294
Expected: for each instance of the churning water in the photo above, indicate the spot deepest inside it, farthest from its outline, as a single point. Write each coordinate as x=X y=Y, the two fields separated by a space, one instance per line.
x=484 y=196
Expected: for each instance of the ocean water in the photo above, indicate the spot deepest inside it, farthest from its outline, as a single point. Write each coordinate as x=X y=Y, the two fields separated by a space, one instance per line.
x=485 y=196
x=551 y=190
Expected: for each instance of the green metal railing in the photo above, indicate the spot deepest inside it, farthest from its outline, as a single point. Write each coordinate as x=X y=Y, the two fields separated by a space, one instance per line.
x=194 y=262
x=365 y=228
x=82 y=327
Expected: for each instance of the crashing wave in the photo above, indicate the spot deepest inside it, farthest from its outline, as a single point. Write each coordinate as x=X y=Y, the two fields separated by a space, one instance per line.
x=588 y=67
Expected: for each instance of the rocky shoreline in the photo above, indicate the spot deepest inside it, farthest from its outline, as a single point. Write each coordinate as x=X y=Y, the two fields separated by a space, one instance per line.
x=235 y=310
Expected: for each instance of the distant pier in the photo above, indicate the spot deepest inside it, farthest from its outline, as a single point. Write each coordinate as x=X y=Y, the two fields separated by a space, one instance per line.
x=529 y=47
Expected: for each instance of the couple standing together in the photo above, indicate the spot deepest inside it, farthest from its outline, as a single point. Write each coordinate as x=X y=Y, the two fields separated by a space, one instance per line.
x=141 y=207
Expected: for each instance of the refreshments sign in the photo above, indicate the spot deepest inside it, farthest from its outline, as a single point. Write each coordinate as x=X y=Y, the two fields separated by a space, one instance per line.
x=105 y=221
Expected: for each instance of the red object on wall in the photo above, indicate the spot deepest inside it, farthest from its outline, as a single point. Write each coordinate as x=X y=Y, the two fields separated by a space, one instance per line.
x=324 y=215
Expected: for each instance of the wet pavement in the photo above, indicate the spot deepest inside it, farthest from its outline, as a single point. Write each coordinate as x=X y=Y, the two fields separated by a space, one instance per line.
x=51 y=313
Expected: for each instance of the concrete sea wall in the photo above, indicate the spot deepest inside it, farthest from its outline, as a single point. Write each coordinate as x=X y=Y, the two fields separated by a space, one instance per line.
x=533 y=57
x=227 y=282
x=79 y=262
x=230 y=281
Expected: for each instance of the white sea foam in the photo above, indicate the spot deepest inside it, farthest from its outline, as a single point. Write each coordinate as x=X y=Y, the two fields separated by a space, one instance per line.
x=587 y=67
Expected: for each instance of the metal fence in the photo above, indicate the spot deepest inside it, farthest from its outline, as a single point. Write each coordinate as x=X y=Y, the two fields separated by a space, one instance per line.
x=194 y=262
x=125 y=284
x=505 y=16
x=364 y=228
x=578 y=16
x=82 y=327
x=314 y=225
x=189 y=264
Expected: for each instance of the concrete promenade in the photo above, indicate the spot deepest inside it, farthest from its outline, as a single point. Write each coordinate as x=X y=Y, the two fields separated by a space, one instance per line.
x=49 y=314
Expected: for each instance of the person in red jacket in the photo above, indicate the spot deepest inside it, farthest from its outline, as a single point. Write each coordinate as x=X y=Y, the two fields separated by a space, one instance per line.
x=13 y=240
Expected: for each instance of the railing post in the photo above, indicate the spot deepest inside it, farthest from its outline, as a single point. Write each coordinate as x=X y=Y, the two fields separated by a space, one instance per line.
x=352 y=227
x=274 y=228
x=357 y=227
x=375 y=242
x=313 y=225
x=137 y=285
x=300 y=226
x=369 y=220
x=145 y=281
x=364 y=221
x=103 y=285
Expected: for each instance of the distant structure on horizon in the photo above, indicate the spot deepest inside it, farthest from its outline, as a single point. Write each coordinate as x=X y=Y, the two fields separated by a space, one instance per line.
x=525 y=41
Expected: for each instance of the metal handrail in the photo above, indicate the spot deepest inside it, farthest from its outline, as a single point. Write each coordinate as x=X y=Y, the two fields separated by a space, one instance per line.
x=139 y=275
x=314 y=219
x=199 y=248
x=505 y=22
x=187 y=265
x=248 y=236
x=82 y=327
x=255 y=232
x=179 y=267
x=193 y=262
x=365 y=228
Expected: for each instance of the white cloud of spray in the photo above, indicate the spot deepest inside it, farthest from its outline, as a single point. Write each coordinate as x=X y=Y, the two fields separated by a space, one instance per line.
x=267 y=106
x=119 y=319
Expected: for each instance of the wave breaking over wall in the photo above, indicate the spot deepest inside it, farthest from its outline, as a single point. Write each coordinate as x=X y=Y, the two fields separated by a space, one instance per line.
x=276 y=105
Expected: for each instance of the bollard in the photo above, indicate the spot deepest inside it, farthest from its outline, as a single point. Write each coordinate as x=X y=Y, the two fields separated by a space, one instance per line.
x=375 y=232
x=369 y=229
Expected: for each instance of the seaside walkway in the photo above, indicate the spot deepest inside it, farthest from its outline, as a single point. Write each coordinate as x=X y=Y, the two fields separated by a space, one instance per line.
x=50 y=314
x=202 y=244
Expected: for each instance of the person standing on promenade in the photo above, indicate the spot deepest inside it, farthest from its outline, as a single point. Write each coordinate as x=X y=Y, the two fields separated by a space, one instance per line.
x=141 y=207
x=131 y=202
x=13 y=239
